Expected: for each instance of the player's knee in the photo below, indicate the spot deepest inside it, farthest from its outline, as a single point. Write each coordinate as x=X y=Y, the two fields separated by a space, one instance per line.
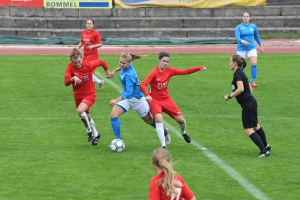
x=158 y=118
x=257 y=127
x=80 y=111
x=113 y=115
x=180 y=120
x=148 y=119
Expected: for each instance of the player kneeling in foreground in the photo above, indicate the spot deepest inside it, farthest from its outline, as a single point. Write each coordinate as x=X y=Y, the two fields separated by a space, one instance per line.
x=80 y=75
x=242 y=91
x=167 y=184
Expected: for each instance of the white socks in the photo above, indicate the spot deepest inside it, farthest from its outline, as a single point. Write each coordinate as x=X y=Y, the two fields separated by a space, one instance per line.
x=160 y=134
x=86 y=122
x=96 y=80
x=182 y=128
x=92 y=123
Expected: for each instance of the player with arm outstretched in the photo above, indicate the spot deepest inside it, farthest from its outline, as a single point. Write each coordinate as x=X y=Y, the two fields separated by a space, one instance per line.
x=158 y=96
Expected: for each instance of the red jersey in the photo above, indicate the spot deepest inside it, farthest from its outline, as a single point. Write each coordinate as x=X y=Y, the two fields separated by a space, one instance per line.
x=159 y=81
x=157 y=192
x=85 y=73
x=90 y=38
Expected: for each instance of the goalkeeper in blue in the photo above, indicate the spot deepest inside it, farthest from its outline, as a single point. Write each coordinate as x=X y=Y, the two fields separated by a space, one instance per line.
x=132 y=97
x=246 y=34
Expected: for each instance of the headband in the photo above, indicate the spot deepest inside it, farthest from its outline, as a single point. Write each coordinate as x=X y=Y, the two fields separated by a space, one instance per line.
x=75 y=55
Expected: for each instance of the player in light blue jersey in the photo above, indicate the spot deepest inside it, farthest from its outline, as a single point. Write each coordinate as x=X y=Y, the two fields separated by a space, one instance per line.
x=132 y=97
x=245 y=34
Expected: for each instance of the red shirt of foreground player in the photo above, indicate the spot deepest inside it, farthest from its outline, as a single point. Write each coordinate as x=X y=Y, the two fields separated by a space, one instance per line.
x=167 y=184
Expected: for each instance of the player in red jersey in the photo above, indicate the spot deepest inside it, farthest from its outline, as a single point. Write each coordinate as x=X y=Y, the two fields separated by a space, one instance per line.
x=158 y=96
x=91 y=40
x=167 y=184
x=80 y=74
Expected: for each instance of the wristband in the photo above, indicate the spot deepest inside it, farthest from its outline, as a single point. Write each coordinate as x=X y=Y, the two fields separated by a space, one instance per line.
x=229 y=97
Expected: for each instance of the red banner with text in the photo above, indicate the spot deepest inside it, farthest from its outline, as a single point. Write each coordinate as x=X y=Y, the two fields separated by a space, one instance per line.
x=23 y=3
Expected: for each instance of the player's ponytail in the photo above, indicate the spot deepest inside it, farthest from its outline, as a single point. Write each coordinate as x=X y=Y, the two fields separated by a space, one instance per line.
x=244 y=64
x=135 y=56
x=130 y=57
x=241 y=62
x=162 y=159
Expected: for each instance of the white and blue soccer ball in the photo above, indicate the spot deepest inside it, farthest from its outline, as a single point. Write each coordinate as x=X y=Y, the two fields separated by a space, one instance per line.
x=117 y=145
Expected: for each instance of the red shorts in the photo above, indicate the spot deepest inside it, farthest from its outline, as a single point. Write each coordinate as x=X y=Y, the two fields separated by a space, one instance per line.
x=165 y=105
x=88 y=100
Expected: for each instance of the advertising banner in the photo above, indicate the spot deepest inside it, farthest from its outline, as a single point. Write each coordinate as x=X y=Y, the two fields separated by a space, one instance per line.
x=23 y=3
x=187 y=3
x=78 y=4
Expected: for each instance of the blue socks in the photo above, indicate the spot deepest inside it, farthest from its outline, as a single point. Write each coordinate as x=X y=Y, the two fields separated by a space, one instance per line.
x=116 y=126
x=253 y=73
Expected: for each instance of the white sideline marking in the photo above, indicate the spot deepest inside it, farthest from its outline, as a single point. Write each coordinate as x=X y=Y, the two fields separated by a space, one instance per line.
x=254 y=191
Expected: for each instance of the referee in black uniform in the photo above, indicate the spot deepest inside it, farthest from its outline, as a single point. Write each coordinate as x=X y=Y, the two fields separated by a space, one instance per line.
x=242 y=91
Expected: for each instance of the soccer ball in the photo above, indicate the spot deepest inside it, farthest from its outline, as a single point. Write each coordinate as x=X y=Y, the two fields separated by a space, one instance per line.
x=117 y=145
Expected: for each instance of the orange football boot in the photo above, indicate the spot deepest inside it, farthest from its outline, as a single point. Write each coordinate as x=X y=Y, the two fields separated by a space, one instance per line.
x=254 y=84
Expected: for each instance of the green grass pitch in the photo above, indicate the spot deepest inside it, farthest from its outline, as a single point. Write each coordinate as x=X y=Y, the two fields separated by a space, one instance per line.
x=44 y=153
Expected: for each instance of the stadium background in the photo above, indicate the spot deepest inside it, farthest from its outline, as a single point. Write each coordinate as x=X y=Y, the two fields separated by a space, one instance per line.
x=28 y=22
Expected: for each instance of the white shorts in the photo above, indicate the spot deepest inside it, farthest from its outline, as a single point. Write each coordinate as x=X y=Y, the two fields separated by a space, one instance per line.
x=141 y=106
x=247 y=54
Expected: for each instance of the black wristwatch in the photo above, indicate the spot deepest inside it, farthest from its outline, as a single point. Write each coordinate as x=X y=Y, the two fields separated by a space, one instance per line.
x=229 y=97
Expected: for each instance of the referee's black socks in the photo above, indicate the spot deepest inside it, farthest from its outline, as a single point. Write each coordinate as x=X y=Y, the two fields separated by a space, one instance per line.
x=262 y=135
x=258 y=141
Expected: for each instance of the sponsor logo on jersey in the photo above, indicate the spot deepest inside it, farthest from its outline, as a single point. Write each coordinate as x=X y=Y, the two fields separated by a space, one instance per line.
x=161 y=86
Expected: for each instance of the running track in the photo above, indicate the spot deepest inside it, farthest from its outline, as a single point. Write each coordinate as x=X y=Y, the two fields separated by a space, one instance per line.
x=270 y=47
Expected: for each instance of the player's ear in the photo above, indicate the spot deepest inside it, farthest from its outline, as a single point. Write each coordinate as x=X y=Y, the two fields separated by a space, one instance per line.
x=153 y=163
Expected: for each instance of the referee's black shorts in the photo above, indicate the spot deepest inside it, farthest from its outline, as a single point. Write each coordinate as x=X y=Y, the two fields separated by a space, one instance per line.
x=249 y=113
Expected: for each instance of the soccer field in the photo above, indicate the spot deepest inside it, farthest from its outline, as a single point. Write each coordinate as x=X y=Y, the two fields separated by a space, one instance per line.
x=44 y=153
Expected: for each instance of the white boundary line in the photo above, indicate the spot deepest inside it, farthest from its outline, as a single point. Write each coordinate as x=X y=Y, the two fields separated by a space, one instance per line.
x=254 y=191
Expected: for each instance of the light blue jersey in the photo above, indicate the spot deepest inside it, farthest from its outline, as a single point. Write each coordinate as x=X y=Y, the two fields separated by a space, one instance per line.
x=130 y=81
x=248 y=33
